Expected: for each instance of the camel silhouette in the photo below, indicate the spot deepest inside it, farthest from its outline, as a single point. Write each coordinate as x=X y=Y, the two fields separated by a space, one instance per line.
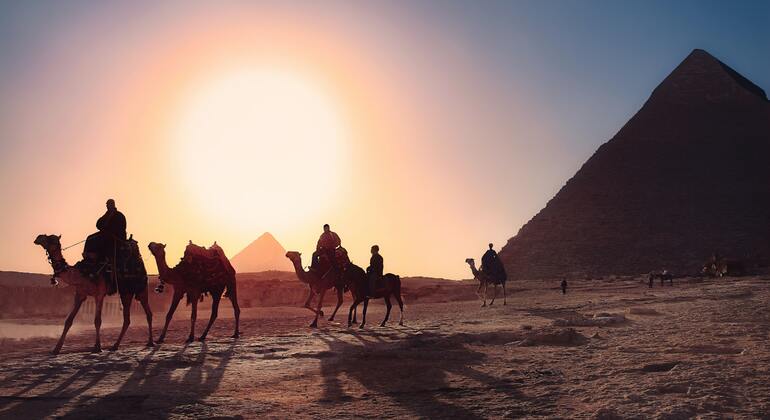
x=84 y=287
x=194 y=285
x=319 y=285
x=484 y=280
x=359 y=288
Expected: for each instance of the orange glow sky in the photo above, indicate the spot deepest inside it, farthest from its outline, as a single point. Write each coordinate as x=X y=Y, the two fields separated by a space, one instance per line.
x=425 y=146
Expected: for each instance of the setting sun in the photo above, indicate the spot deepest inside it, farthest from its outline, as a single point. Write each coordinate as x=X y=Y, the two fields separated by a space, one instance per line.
x=255 y=145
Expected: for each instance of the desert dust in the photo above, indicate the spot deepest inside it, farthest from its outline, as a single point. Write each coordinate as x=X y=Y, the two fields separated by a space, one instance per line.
x=607 y=349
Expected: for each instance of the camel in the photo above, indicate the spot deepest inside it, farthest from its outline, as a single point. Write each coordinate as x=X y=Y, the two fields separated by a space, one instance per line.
x=663 y=275
x=194 y=285
x=85 y=287
x=484 y=280
x=359 y=289
x=317 y=285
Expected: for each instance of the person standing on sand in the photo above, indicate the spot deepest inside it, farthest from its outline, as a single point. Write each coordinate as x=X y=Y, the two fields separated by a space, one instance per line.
x=564 y=286
x=375 y=269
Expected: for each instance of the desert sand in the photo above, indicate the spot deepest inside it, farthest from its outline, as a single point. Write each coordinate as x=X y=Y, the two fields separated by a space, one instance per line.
x=610 y=348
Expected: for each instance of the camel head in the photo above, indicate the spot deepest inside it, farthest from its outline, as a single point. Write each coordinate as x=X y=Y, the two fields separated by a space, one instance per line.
x=470 y=261
x=49 y=242
x=294 y=256
x=158 y=250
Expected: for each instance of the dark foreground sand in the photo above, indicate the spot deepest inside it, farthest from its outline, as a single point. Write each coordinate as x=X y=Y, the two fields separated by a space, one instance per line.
x=698 y=349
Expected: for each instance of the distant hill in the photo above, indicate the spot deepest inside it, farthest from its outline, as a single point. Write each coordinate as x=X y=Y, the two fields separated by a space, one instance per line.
x=265 y=253
x=16 y=279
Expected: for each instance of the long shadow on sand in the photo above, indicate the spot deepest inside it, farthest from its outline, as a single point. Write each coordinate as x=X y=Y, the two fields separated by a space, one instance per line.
x=427 y=374
x=154 y=388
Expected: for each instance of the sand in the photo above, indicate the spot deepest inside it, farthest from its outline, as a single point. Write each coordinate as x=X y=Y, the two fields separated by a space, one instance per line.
x=697 y=349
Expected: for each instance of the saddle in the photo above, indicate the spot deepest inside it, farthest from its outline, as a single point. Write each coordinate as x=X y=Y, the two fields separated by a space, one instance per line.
x=127 y=268
x=206 y=266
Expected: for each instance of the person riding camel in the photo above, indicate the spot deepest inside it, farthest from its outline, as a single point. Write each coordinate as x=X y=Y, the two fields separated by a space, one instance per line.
x=489 y=258
x=113 y=222
x=375 y=269
x=327 y=245
x=102 y=246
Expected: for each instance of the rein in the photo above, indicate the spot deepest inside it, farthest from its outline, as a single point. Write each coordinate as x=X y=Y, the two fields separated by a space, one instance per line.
x=78 y=243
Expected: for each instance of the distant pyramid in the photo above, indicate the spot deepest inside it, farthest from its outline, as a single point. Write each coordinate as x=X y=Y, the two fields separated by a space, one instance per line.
x=265 y=253
x=688 y=175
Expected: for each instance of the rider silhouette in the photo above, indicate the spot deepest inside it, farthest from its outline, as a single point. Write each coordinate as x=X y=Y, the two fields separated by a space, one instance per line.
x=375 y=269
x=489 y=258
x=102 y=246
x=113 y=222
x=327 y=244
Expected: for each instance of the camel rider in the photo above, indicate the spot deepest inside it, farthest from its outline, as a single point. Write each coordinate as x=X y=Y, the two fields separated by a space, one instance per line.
x=103 y=245
x=113 y=222
x=327 y=244
x=489 y=258
x=374 y=271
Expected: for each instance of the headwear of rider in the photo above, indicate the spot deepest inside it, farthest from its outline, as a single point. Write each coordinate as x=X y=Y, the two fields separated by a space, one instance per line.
x=110 y=204
x=491 y=245
x=375 y=248
x=326 y=226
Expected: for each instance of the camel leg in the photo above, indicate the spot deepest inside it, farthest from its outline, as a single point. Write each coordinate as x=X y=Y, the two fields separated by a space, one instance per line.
x=236 y=311
x=388 y=305
x=125 y=299
x=484 y=296
x=310 y=299
x=401 y=308
x=171 y=309
x=79 y=299
x=351 y=312
x=193 y=318
x=363 y=316
x=318 y=311
x=214 y=313
x=145 y=301
x=98 y=322
x=505 y=298
x=339 y=303
x=494 y=295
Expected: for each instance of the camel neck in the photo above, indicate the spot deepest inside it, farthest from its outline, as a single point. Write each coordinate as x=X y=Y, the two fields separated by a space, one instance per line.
x=57 y=261
x=299 y=270
x=164 y=272
x=473 y=268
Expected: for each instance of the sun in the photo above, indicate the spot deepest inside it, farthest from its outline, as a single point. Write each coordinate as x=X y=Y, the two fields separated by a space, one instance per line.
x=260 y=147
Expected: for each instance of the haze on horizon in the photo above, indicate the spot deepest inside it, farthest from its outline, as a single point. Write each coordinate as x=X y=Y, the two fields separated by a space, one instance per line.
x=429 y=128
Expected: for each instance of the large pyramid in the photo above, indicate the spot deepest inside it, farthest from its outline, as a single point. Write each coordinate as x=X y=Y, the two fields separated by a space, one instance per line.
x=688 y=175
x=265 y=253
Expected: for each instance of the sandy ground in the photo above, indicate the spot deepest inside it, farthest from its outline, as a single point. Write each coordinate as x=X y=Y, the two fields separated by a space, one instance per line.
x=698 y=349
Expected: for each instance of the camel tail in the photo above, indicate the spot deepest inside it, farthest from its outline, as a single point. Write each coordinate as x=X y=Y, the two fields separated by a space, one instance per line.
x=231 y=288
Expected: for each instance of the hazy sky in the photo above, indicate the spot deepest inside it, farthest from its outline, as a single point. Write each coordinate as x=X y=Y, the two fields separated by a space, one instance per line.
x=429 y=128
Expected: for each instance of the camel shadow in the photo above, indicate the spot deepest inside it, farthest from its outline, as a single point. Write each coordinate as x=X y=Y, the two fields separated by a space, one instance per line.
x=424 y=374
x=158 y=385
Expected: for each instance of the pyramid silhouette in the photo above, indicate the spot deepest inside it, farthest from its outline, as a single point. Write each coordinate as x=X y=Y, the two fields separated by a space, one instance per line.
x=687 y=176
x=264 y=253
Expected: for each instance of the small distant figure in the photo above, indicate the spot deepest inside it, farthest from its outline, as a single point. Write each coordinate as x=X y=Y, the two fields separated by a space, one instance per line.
x=375 y=269
x=564 y=286
x=662 y=275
